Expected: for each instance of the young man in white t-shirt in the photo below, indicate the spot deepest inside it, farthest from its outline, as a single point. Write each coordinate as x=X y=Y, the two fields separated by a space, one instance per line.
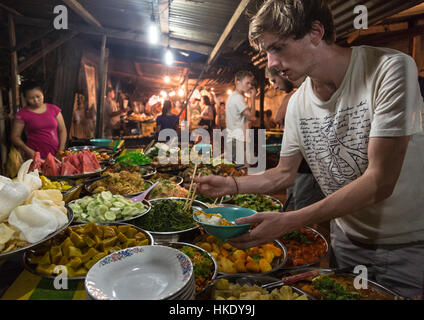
x=237 y=115
x=357 y=122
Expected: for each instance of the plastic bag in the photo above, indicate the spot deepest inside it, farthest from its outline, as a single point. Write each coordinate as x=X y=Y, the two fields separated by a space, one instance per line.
x=14 y=162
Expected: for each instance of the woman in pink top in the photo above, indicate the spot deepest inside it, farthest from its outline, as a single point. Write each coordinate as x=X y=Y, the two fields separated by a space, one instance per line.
x=44 y=126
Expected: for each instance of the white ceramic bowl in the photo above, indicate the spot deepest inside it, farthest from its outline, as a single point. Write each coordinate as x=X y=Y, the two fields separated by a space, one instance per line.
x=139 y=273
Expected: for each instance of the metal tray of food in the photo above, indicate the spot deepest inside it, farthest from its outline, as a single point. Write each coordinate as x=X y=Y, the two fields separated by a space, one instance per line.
x=312 y=263
x=33 y=245
x=276 y=264
x=32 y=268
x=174 y=236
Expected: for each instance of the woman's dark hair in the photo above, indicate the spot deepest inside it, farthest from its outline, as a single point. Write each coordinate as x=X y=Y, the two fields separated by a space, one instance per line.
x=268 y=113
x=206 y=100
x=30 y=85
x=167 y=106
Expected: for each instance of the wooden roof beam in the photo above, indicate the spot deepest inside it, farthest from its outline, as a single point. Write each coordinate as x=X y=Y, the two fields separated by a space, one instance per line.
x=134 y=36
x=227 y=31
x=83 y=13
x=11 y=10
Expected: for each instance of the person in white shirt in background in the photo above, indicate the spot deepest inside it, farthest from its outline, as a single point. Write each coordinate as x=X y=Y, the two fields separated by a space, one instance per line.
x=357 y=121
x=238 y=113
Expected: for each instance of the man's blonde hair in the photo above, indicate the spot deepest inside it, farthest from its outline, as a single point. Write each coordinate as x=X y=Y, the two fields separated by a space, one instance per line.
x=291 y=19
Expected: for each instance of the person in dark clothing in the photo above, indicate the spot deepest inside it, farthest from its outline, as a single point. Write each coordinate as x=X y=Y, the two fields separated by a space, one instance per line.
x=207 y=115
x=167 y=120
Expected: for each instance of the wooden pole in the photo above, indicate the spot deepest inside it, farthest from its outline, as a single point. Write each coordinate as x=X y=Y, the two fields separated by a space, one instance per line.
x=13 y=65
x=102 y=88
x=262 y=96
x=227 y=31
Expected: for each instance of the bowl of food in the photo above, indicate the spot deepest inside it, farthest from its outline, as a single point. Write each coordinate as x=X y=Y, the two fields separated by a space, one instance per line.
x=306 y=247
x=14 y=241
x=214 y=201
x=127 y=182
x=258 y=260
x=205 y=267
x=169 y=219
x=133 y=158
x=248 y=287
x=147 y=171
x=105 y=207
x=257 y=202
x=220 y=221
x=78 y=248
x=170 y=177
x=167 y=188
x=69 y=188
x=332 y=285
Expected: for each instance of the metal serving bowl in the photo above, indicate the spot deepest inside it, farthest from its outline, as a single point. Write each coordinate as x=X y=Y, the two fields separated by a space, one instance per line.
x=179 y=245
x=130 y=220
x=313 y=263
x=231 y=201
x=32 y=268
x=258 y=280
x=371 y=284
x=7 y=255
x=179 y=179
x=174 y=236
x=88 y=188
x=276 y=263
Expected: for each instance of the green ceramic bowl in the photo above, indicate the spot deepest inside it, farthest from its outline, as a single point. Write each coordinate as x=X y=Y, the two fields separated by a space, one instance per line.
x=230 y=214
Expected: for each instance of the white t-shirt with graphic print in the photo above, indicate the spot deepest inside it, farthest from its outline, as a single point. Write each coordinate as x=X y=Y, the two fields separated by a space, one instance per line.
x=379 y=97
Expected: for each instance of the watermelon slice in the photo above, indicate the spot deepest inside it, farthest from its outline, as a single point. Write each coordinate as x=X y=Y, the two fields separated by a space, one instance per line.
x=75 y=161
x=68 y=169
x=87 y=164
x=94 y=161
x=37 y=162
x=50 y=166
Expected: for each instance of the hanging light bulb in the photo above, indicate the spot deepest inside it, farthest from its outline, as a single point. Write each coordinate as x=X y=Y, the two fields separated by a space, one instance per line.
x=153 y=33
x=229 y=91
x=172 y=93
x=164 y=94
x=169 y=57
x=181 y=92
x=167 y=79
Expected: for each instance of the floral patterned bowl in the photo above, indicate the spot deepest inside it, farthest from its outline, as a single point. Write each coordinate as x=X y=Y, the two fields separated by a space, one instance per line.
x=140 y=273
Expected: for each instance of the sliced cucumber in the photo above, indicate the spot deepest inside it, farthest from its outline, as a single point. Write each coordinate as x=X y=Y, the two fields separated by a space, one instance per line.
x=110 y=216
x=106 y=195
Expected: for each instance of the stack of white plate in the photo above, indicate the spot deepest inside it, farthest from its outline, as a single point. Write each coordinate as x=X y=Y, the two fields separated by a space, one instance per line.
x=142 y=273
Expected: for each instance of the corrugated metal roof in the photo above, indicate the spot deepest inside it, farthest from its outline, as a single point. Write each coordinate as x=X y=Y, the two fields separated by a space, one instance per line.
x=197 y=21
x=344 y=15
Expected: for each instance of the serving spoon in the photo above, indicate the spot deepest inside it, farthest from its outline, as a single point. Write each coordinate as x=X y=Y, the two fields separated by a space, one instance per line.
x=143 y=195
